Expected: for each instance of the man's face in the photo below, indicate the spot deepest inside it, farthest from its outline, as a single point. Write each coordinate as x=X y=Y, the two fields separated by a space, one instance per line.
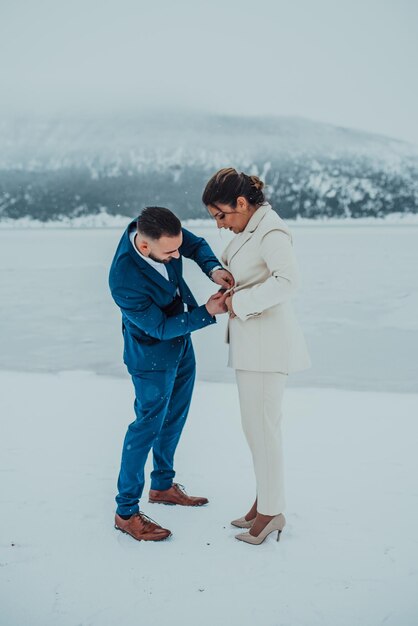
x=161 y=250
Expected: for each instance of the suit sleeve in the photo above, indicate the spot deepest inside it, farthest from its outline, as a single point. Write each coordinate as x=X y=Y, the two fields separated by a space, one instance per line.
x=198 y=249
x=277 y=252
x=148 y=317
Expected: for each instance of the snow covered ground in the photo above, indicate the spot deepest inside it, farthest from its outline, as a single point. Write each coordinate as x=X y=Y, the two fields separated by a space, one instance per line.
x=349 y=554
x=347 y=557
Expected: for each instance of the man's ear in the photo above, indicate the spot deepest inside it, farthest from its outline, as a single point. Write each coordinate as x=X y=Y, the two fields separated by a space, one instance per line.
x=142 y=245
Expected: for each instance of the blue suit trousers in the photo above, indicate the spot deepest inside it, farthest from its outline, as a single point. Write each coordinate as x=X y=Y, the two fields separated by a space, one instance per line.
x=162 y=401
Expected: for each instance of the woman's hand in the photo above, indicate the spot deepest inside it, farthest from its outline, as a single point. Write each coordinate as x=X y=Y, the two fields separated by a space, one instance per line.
x=228 y=304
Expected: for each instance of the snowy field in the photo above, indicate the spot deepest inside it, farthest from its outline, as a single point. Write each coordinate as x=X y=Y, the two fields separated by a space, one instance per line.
x=349 y=554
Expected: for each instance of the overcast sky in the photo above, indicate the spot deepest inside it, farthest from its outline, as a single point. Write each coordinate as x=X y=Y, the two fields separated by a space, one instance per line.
x=347 y=62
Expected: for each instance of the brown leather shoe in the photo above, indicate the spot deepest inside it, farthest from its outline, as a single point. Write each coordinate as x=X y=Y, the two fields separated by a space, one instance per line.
x=141 y=527
x=175 y=495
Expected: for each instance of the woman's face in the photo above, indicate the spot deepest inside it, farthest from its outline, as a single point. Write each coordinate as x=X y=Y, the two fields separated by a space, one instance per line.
x=235 y=219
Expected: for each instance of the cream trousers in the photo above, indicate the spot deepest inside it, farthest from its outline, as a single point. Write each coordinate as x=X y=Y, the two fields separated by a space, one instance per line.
x=260 y=397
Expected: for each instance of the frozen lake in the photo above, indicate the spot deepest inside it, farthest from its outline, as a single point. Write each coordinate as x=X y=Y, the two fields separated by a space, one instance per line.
x=358 y=304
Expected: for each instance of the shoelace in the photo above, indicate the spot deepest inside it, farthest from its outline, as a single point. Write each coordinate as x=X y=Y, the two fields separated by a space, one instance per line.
x=180 y=487
x=147 y=520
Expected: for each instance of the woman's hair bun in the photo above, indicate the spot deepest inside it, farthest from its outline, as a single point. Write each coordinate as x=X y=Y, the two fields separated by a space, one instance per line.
x=227 y=185
x=256 y=182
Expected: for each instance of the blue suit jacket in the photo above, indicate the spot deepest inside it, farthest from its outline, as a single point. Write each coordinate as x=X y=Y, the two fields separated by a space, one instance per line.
x=153 y=322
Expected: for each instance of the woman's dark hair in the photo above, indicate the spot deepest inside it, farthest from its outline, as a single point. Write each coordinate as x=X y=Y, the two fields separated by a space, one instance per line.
x=156 y=221
x=227 y=185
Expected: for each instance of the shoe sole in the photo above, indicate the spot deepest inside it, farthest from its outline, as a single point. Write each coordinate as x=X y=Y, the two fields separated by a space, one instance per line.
x=175 y=503
x=125 y=532
x=251 y=543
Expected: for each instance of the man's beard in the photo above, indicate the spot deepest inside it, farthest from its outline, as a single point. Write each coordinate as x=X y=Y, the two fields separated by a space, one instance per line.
x=157 y=260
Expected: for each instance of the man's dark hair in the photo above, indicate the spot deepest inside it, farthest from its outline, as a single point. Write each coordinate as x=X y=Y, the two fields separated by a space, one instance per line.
x=156 y=222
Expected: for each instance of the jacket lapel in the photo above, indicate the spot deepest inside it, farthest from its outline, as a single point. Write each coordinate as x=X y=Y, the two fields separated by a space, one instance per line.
x=241 y=239
x=185 y=293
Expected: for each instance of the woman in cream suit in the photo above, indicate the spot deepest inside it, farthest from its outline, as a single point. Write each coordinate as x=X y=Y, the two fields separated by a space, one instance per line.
x=265 y=341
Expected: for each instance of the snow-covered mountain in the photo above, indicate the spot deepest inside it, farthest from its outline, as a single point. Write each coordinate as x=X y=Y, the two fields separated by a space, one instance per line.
x=72 y=167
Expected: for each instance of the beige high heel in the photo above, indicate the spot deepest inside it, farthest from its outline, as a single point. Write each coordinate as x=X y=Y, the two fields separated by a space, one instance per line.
x=276 y=523
x=242 y=522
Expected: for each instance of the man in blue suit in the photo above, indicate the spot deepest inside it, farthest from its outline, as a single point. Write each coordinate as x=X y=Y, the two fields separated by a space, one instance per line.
x=159 y=313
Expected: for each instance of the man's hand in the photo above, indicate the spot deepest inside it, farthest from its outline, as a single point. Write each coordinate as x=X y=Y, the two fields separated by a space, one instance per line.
x=223 y=278
x=216 y=303
x=228 y=304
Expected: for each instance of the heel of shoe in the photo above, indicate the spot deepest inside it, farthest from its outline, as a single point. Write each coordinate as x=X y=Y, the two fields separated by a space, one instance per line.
x=278 y=535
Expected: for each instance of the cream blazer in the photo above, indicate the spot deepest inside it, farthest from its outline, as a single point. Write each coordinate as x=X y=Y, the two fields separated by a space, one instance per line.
x=265 y=335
